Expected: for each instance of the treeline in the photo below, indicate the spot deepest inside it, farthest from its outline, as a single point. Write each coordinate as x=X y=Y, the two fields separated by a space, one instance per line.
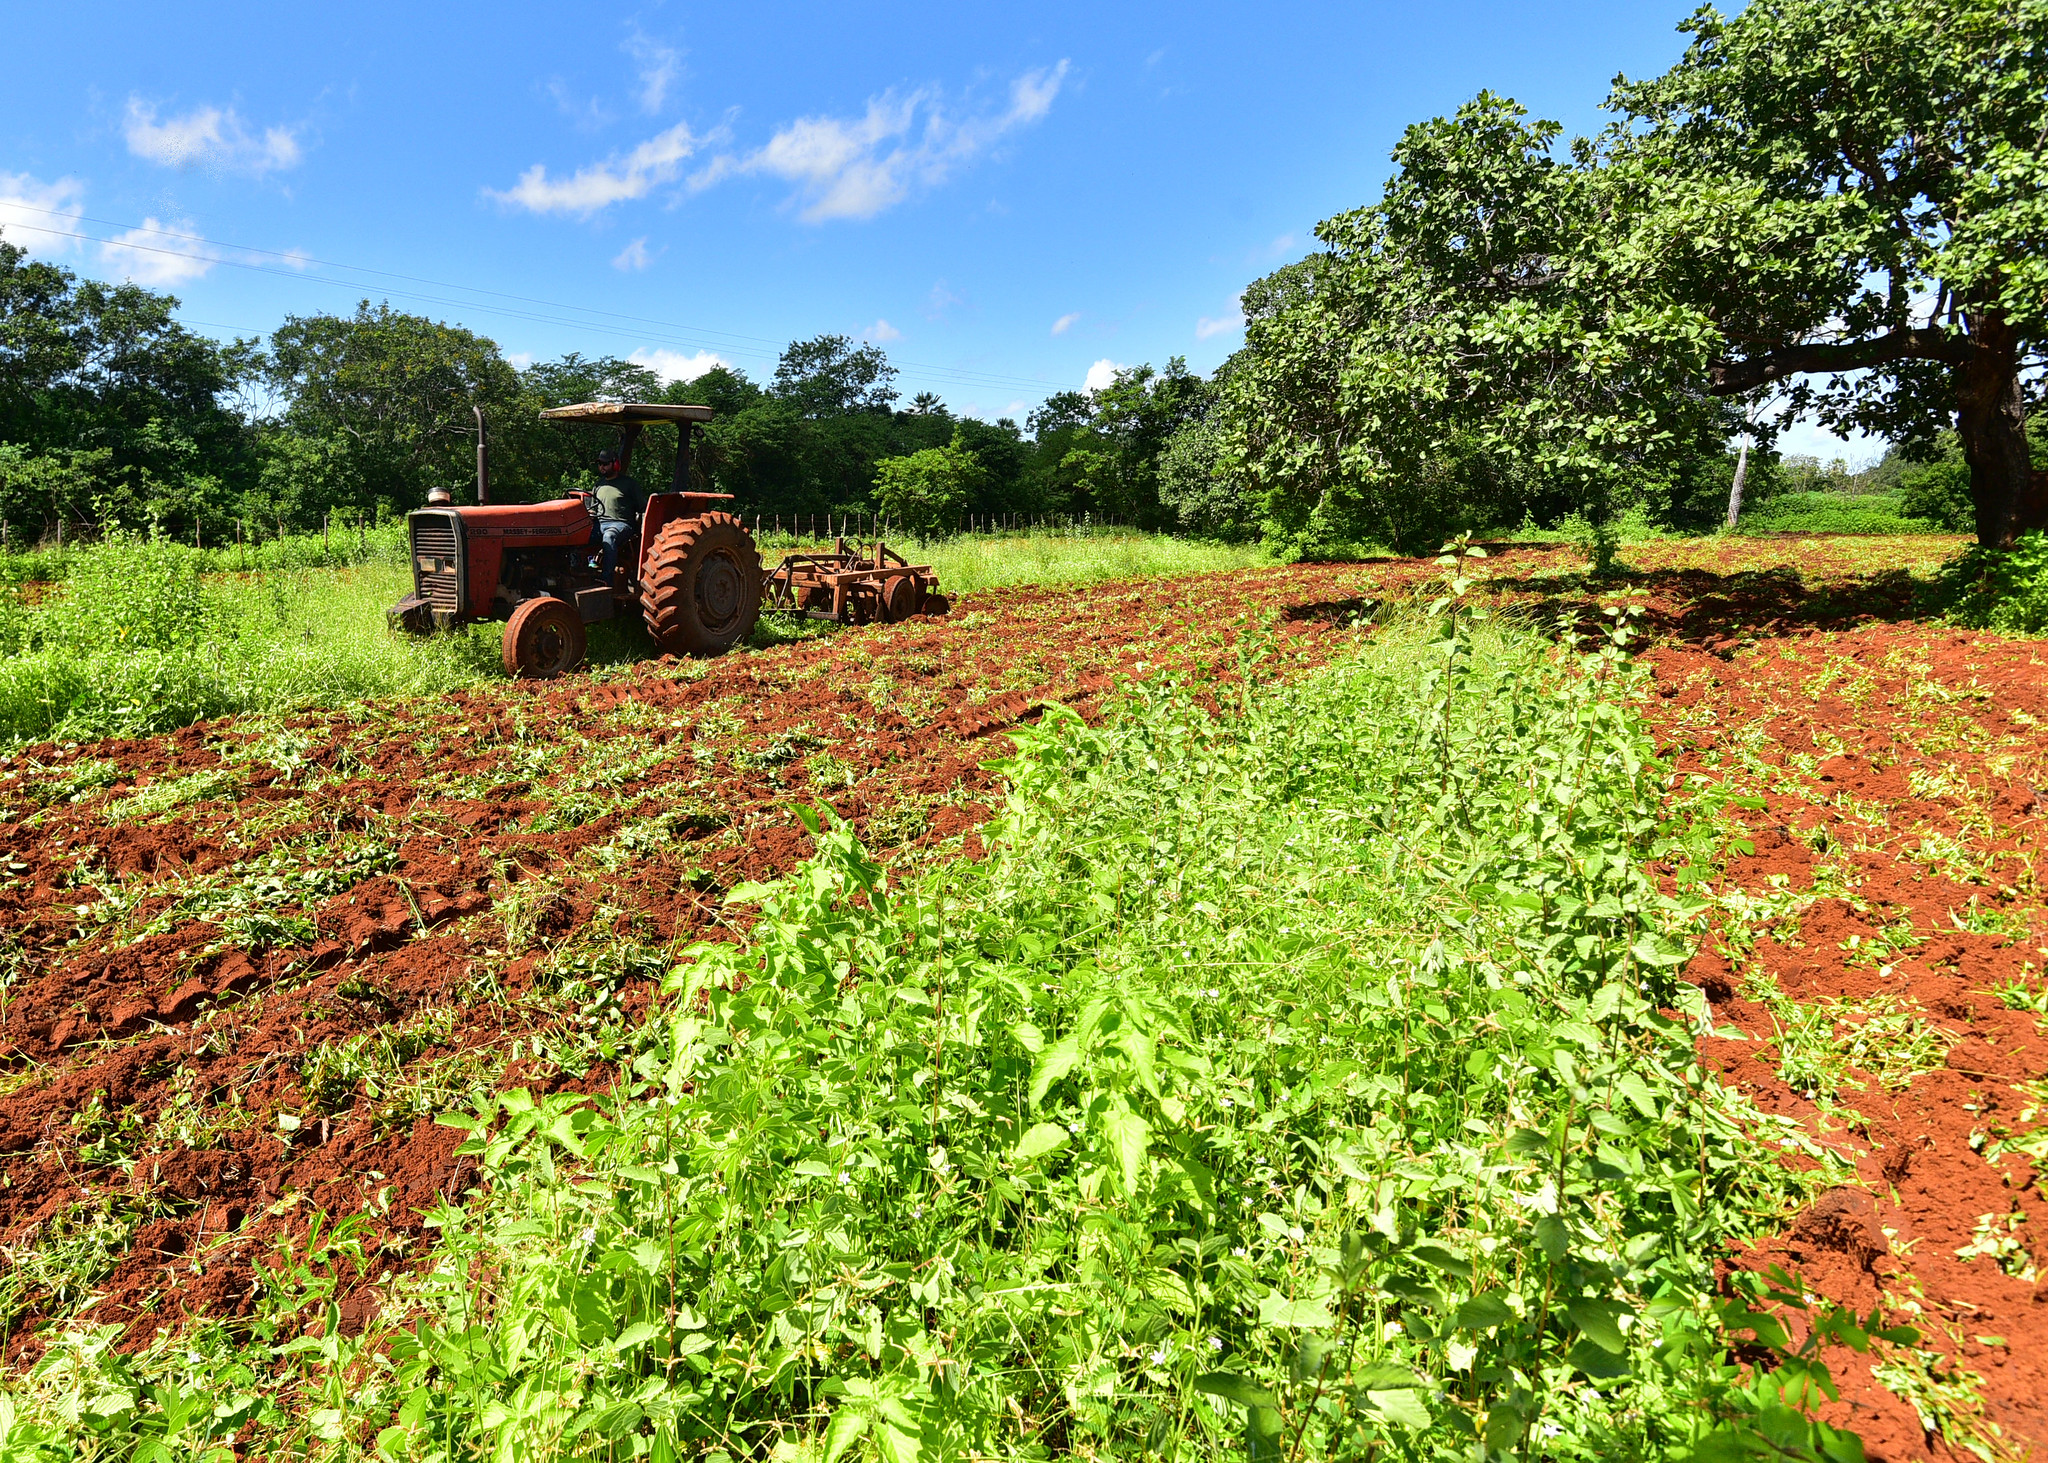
x=111 y=412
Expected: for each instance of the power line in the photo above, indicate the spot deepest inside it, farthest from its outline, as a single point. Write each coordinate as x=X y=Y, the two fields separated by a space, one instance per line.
x=960 y=375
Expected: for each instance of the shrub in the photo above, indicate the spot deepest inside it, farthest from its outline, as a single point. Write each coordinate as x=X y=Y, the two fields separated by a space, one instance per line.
x=2001 y=591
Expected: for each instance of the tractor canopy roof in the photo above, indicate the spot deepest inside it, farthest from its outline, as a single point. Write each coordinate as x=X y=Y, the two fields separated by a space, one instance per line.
x=622 y=413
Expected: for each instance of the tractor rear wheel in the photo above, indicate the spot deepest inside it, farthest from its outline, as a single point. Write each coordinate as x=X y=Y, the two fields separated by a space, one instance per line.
x=700 y=585
x=543 y=638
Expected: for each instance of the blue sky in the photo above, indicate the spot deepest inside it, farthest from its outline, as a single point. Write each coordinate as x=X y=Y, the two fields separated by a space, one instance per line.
x=1004 y=197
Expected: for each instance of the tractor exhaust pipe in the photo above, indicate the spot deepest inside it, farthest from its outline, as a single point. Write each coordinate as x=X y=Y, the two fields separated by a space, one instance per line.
x=483 y=459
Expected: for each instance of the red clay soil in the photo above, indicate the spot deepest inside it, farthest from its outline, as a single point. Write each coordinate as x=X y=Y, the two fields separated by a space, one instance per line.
x=160 y=1054
x=1903 y=771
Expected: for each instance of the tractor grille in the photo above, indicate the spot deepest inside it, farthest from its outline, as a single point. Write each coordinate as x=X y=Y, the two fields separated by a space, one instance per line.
x=437 y=559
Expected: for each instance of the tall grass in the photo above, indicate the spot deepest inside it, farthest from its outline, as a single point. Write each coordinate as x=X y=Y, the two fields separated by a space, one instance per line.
x=141 y=635
x=1302 y=1082
x=140 y=639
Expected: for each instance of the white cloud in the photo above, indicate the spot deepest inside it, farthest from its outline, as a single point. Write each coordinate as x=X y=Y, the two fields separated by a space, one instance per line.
x=1101 y=376
x=159 y=254
x=588 y=116
x=857 y=167
x=1222 y=324
x=941 y=299
x=635 y=256
x=519 y=360
x=882 y=331
x=659 y=66
x=656 y=161
x=1015 y=409
x=35 y=216
x=208 y=137
x=1066 y=322
x=674 y=365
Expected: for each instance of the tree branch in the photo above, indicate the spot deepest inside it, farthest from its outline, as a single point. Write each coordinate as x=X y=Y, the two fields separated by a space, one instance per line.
x=1731 y=378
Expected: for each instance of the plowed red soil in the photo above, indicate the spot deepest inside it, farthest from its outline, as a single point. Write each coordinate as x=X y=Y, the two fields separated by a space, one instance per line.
x=497 y=878
x=488 y=856
x=1902 y=771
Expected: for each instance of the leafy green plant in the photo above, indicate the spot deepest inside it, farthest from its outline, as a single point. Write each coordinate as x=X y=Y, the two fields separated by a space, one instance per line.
x=2000 y=590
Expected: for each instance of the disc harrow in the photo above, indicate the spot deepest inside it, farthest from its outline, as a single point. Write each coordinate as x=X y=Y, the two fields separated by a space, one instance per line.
x=856 y=585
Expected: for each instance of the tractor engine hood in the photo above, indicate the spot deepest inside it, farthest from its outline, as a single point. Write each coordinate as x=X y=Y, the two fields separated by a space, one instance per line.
x=526 y=520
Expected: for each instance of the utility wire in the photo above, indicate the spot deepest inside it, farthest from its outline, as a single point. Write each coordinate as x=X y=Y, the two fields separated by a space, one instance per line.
x=965 y=376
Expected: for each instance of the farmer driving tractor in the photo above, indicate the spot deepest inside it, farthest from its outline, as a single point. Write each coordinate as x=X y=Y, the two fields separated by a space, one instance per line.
x=620 y=502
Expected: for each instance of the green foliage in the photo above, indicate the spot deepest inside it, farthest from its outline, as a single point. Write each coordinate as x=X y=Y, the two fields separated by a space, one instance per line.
x=927 y=492
x=104 y=395
x=137 y=641
x=1084 y=1143
x=1197 y=489
x=1583 y=318
x=1854 y=171
x=1465 y=328
x=1854 y=513
x=2001 y=590
x=392 y=394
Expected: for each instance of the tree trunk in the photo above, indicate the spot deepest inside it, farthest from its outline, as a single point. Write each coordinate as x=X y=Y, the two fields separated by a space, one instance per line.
x=1991 y=423
x=1735 y=489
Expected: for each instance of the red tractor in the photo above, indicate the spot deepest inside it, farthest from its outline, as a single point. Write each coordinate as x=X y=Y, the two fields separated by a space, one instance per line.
x=695 y=577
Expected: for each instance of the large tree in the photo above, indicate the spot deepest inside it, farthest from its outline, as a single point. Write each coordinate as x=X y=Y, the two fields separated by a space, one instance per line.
x=392 y=397
x=1478 y=321
x=1837 y=200
x=109 y=402
x=1853 y=190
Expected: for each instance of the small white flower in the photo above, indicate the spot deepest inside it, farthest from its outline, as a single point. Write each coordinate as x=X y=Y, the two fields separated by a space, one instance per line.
x=1159 y=1356
x=1551 y=1430
x=1215 y=1343
x=1237 y=1250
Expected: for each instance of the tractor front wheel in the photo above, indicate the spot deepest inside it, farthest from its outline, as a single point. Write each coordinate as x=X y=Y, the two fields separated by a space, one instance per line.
x=700 y=585
x=543 y=638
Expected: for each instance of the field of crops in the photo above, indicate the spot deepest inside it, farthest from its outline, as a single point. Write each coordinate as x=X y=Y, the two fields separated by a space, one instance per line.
x=1314 y=1010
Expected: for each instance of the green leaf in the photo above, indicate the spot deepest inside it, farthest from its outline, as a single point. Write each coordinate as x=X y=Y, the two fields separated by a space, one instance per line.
x=1439 y=1258
x=1040 y=1139
x=1058 y=1059
x=634 y=1336
x=843 y=1431
x=1596 y=1320
x=1401 y=1406
x=1484 y=1312
x=1234 y=1388
x=1130 y=1136
x=1276 y=1309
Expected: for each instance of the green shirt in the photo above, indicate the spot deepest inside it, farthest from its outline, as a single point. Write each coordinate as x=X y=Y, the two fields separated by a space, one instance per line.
x=622 y=498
